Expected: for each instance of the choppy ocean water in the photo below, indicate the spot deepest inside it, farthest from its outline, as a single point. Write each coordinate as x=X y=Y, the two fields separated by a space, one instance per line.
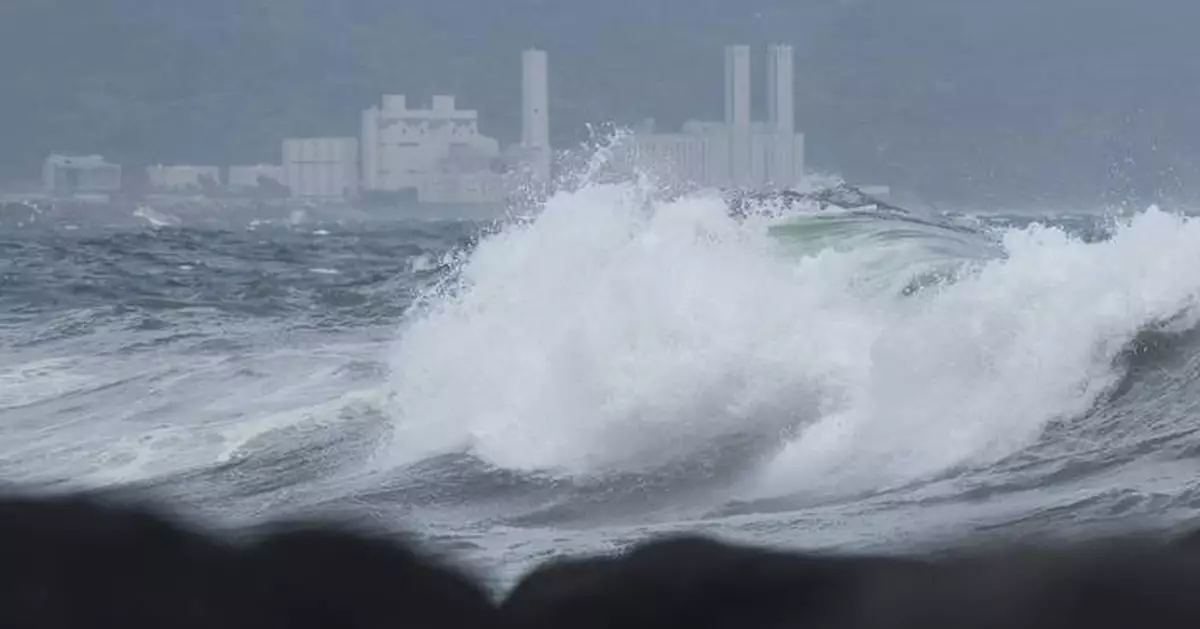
x=612 y=367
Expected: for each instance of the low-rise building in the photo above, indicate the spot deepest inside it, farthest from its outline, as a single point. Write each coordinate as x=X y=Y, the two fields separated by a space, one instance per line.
x=87 y=174
x=242 y=178
x=321 y=167
x=183 y=178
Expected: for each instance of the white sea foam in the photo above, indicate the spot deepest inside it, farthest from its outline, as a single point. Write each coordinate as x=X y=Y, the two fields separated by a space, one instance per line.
x=616 y=331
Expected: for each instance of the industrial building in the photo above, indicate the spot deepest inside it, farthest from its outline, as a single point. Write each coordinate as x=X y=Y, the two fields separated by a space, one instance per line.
x=739 y=152
x=321 y=168
x=65 y=175
x=439 y=152
x=407 y=149
x=435 y=153
x=182 y=178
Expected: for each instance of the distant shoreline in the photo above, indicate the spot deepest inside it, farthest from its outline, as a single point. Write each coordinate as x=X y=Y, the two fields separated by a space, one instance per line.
x=27 y=210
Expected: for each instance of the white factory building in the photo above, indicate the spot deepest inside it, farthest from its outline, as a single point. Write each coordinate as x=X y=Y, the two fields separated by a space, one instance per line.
x=738 y=152
x=87 y=174
x=435 y=151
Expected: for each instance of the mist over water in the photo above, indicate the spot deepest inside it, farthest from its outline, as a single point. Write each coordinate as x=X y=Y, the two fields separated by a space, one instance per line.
x=624 y=361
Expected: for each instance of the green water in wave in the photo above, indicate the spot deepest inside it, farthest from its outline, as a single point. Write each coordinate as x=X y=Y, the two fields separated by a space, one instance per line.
x=899 y=252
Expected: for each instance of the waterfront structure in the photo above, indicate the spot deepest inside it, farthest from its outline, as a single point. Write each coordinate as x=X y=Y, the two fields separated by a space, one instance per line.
x=249 y=177
x=182 y=178
x=65 y=175
x=321 y=168
x=738 y=152
x=439 y=153
x=403 y=147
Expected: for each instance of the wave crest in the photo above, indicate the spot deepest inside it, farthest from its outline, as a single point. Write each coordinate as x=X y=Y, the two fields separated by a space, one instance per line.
x=614 y=335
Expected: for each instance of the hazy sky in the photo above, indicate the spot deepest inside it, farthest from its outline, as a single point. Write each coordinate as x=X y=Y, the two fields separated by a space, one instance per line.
x=985 y=102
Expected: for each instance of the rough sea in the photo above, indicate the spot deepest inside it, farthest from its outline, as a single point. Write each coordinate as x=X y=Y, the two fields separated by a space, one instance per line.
x=619 y=364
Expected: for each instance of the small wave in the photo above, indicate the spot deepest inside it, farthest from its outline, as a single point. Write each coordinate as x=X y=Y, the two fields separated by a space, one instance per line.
x=157 y=218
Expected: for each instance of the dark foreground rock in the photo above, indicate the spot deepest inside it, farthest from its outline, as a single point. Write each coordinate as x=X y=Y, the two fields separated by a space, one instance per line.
x=78 y=562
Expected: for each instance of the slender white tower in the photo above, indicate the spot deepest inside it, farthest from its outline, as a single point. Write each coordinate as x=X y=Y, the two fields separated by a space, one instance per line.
x=781 y=114
x=737 y=112
x=535 y=110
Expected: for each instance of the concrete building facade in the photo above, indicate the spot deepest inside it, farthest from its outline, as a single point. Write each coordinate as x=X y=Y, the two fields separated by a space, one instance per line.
x=321 y=167
x=401 y=147
x=439 y=152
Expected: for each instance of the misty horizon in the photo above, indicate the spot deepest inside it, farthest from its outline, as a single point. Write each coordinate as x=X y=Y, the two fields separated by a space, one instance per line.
x=984 y=104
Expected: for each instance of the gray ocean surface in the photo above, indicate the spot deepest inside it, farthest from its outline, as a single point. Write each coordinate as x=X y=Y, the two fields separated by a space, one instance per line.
x=616 y=366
